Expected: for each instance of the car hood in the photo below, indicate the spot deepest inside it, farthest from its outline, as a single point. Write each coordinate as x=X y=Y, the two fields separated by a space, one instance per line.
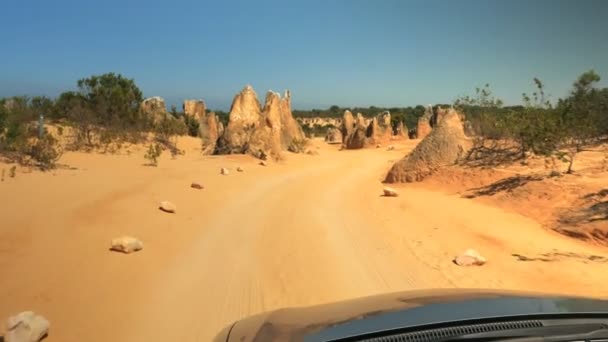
x=398 y=310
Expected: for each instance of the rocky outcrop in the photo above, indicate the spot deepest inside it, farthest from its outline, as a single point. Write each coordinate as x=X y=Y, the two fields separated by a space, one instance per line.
x=259 y=131
x=402 y=130
x=26 y=327
x=126 y=244
x=470 y=257
x=383 y=130
x=348 y=125
x=424 y=123
x=390 y=192
x=373 y=131
x=358 y=137
x=439 y=114
x=318 y=121
x=155 y=109
x=363 y=132
x=209 y=130
x=290 y=129
x=266 y=139
x=167 y=207
x=244 y=118
x=444 y=145
x=195 y=108
x=220 y=127
x=334 y=136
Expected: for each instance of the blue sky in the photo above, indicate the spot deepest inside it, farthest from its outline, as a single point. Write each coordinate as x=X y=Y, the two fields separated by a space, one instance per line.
x=349 y=53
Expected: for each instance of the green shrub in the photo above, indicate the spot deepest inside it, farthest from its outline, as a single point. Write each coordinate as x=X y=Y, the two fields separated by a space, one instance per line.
x=192 y=125
x=154 y=151
x=45 y=152
x=166 y=132
x=298 y=145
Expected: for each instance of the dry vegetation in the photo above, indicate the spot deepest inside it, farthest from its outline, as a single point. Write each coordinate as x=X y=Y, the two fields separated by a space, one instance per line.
x=573 y=204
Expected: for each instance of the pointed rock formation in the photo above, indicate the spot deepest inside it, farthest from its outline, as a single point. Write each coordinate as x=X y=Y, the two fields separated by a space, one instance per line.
x=195 y=108
x=334 y=136
x=445 y=145
x=266 y=139
x=439 y=115
x=259 y=131
x=347 y=126
x=402 y=130
x=209 y=131
x=358 y=138
x=220 y=127
x=384 y=130
x=290 y=129
x=424 y=123
x=245 y=115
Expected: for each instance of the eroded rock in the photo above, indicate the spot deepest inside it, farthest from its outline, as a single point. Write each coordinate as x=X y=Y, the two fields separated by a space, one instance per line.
x=244 y=118
x=424 y=123
x=155 y=108
x=126 y=244
x=390 y=192
x=333 y=136
x=445 y=145
x=195 y=108
x=167 y=207
x=259 y=131
x=402 y=130
x=197 y=186
x=209 y=131
x=470 y=257
x=26 y=327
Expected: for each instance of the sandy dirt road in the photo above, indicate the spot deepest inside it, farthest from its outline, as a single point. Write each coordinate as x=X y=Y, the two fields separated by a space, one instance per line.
x=310 y=230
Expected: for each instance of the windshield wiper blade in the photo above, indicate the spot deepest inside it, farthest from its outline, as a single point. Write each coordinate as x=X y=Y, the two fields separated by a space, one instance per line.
x=565 y=332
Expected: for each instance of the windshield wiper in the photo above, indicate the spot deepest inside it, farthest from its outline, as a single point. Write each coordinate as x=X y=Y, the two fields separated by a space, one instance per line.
x=594 y=332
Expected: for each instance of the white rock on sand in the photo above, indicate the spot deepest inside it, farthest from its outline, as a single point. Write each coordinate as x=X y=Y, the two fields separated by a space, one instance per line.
x=390 y=192
x=167 y=207
x=26 y=327
x=470 y=257
x=126 y=244
x=224 y=171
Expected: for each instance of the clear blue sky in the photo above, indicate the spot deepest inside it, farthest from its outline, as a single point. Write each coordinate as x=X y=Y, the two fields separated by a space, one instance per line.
x=349 y=53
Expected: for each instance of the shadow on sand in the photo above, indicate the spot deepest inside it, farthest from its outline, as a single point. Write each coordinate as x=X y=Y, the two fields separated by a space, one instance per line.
x=557 y=256
x=506 y=184
x=594 y=208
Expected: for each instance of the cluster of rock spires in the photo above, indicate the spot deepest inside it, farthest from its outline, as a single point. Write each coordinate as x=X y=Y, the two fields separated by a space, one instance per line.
x=359 y=132
x=258 y=130
x=210 y=128
x=425 y=123
x=323 y=122
x=444 y=145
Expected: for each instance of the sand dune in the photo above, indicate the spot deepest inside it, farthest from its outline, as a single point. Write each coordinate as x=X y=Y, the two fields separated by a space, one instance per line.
x=308 y=230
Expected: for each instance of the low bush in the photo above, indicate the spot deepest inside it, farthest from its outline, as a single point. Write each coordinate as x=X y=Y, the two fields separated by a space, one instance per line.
x=298 y=145
x=153 y=153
